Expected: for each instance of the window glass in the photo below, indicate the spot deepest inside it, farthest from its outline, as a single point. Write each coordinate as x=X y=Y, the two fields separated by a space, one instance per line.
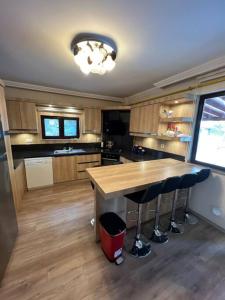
x=51 y=127
x=70 y=128
x=210 y=145
x=55 y=127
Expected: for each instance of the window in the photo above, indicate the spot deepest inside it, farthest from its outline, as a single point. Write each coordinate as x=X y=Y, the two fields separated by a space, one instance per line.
x=54 y=127
x=209 y=138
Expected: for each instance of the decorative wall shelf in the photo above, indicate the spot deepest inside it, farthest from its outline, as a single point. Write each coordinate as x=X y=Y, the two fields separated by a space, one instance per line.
x=177 y=120
x=183 y=139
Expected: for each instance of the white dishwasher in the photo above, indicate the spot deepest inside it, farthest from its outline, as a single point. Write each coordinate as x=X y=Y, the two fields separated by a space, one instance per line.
x=39 y=172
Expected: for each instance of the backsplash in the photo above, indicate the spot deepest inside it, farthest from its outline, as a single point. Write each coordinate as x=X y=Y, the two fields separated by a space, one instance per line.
x=175 y=147
x=18 y=149
x=28 y=138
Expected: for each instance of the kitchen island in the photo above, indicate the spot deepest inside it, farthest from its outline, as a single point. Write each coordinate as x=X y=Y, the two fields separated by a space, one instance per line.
x=113 y=182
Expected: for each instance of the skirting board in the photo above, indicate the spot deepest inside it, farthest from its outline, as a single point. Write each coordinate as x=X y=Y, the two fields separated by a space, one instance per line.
x=207 y=221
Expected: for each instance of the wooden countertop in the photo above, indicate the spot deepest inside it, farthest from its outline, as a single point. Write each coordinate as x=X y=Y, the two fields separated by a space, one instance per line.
x=118 y=180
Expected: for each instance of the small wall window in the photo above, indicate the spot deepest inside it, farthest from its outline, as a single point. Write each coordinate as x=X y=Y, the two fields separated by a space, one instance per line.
x=54 y=127
x=209 y=138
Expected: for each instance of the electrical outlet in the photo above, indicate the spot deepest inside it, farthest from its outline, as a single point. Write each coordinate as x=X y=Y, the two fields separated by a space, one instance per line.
x=162 y=146
x=216 y=211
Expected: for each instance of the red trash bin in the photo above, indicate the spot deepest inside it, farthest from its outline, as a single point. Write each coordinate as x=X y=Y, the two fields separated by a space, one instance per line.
x=112 y=233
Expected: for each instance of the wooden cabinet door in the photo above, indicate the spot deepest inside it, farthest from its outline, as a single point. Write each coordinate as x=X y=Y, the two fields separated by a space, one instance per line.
x=14 y=115
x=135 y=119
x=132 y=117
x=28 y=116
x=92 y=120
x=64 y=169
x=145 y=119
x=87 y=161
x=97 y=121
x=155 y=119
x=140 y=119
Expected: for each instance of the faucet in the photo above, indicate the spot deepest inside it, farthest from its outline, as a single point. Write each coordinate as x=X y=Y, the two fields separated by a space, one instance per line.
x=67 y=147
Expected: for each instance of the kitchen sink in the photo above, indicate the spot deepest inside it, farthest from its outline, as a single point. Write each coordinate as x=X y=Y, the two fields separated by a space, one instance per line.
x=69 y=151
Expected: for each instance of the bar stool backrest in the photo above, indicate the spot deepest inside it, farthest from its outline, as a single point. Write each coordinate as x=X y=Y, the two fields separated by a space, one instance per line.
x=203 y=175
x=188 y=180
x=152 y=192
x=171 y=184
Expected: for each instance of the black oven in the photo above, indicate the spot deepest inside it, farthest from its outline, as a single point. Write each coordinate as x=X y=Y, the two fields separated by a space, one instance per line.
x=110 y=157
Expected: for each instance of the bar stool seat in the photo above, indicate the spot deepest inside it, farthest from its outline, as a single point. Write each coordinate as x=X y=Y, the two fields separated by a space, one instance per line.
x=141 y=248
x=203 y=175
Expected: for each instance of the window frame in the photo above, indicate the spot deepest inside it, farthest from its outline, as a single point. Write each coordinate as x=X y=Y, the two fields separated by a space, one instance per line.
x=61 y=128
x=197 y=129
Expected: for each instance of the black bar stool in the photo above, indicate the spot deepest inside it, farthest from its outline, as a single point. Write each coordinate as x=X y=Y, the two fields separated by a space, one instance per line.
x=157 y=235
x=187 y=182
x=171 y=184
x=203 y=175
x=199 y=177
x=141 y=248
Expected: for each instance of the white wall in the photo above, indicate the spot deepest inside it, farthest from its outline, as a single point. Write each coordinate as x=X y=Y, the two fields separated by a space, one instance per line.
x=210 y=195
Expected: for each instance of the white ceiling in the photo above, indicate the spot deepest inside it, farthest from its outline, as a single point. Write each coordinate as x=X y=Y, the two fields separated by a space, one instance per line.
x=155 y=39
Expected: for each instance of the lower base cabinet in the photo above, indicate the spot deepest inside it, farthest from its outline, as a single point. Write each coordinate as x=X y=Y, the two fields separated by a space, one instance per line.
x=87 y=161
x=64 y=169
x=69 y=168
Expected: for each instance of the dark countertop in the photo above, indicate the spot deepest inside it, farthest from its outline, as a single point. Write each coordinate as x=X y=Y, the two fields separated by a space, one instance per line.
x=50 y=153
x=31 y=151
x=150 y=154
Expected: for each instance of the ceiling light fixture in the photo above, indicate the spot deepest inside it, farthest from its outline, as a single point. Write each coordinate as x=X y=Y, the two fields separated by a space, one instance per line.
x=94 y=53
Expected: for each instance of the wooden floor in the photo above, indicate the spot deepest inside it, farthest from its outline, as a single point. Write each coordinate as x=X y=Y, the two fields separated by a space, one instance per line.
x=55 y=256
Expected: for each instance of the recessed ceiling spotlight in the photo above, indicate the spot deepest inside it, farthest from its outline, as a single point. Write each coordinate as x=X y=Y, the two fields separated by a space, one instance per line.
x=176 y=101
x=94 y=53
x=50 y=105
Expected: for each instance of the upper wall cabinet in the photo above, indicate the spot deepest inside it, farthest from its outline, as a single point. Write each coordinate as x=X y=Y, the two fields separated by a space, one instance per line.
x=92 y=120
x=22 y=115
x=144 y=119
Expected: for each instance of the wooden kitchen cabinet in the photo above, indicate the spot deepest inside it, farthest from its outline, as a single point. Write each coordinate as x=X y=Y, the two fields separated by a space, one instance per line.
x=14 y=115
x=87 y=161
x=69 y=168
x=64 y=169
x=135 y=119
x=144 y=119
x=155 y=118
x=92 y=120
x=28 y=115
x=22 y=115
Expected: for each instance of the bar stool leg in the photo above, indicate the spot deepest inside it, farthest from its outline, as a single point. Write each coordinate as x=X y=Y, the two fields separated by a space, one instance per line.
x=189 y=218
x=140 y=248
x=157 y=235
x=173 y=227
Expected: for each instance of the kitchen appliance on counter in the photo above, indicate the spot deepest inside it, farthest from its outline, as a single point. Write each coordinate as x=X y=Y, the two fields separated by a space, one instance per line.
x=8 y=223
x=39 y=172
